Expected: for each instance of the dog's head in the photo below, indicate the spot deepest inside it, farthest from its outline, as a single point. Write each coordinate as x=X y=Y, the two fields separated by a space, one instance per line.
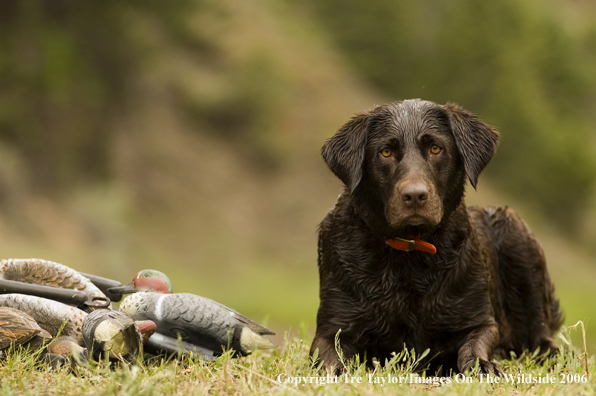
x=408 y=160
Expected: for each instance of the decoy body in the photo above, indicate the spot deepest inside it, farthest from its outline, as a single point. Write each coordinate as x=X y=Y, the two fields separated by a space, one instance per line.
x=53 y=317
x=39 y=300
x=18 y=328
x=56 y=275
x=196 y=320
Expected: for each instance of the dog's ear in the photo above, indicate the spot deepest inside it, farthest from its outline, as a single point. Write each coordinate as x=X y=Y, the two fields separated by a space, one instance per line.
x=344 y=151
x=476 y=141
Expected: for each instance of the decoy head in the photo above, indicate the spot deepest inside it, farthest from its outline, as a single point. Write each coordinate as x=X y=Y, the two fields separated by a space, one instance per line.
x=146 y=280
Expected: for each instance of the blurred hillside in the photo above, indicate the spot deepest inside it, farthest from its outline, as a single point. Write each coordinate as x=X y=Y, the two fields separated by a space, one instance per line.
x=519 y=64
x=208 y=163
x=140 y=135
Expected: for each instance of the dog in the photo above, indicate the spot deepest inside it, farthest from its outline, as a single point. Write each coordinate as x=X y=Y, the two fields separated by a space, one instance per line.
x=404 y=263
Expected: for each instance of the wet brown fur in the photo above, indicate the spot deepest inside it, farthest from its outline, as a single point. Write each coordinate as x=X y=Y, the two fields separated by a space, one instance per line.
x=487 y=290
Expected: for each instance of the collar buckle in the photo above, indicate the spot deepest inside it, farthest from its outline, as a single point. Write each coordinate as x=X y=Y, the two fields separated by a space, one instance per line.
x=411 y=243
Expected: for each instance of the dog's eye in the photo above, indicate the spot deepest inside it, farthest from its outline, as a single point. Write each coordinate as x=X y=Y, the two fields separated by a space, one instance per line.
x=434 y=149
x=386 y=152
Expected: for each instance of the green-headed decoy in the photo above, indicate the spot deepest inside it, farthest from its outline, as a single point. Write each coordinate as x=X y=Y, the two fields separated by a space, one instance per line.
x=196 y=320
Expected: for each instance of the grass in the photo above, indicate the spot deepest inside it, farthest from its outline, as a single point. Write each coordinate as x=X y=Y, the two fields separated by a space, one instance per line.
x=289 y=370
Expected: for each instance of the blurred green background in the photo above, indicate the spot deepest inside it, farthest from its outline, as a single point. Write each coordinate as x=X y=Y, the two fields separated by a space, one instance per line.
x=184 y=136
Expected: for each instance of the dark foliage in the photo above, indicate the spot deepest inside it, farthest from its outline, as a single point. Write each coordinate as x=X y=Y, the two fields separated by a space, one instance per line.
x=66 y=69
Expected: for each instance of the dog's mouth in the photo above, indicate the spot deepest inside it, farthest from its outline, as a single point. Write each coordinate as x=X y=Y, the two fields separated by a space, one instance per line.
x=428 y=216
x=416 y=220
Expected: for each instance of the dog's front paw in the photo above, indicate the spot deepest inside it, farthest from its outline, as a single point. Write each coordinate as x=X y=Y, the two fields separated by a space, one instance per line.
x=485 y=367
x=338 y=370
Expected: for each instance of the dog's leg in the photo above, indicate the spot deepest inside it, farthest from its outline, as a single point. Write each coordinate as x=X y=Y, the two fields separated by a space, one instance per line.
x=479 y=344
x=325 y=342
x=328 y=354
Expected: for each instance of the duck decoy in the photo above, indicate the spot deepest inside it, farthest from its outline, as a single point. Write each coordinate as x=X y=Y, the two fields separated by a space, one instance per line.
x=72 y=297
x=197 y=320
x=48 y=273
x=115 y=334
x=18 y=328
x=55 y=318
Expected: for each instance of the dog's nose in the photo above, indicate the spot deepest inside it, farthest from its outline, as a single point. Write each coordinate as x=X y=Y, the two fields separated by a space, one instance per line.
x=414 y=195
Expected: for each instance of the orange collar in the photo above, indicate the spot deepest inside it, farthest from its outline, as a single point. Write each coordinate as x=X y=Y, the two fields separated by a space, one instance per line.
x=409 y=245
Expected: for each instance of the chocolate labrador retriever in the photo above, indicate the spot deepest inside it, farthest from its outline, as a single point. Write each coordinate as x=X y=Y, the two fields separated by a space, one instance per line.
x=404 y=262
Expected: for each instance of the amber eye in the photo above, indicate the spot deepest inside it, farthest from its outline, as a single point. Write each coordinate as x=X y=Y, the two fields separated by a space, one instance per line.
x=386 y=152
x=434 y=149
